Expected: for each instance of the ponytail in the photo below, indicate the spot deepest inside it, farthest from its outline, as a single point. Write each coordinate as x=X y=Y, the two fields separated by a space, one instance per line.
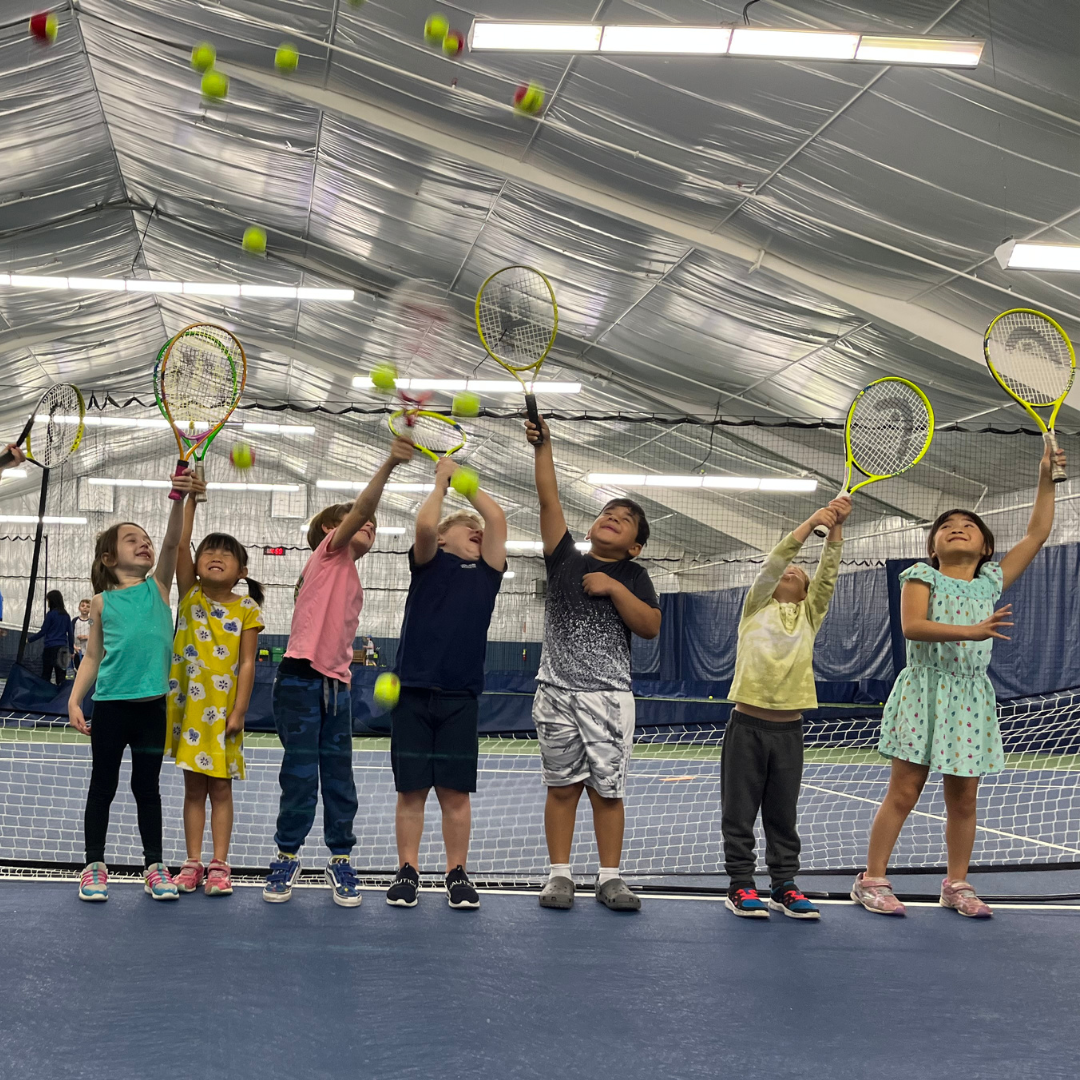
x=255 y=591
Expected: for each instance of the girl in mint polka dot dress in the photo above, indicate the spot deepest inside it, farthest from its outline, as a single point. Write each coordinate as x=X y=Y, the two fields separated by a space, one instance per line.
x=942 y=712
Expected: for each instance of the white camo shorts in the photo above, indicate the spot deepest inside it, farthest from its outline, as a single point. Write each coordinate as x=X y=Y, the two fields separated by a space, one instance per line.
x=584 y=736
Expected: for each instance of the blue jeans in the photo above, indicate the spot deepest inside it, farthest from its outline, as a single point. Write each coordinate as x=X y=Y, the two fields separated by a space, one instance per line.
x=313 y=718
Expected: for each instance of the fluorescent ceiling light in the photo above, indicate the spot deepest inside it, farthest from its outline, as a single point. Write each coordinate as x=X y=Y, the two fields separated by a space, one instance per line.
x=324 y=294
x=479 y=386
x=390 y=530
x=13 y=474
x=793 y=44
x=939 y=52
x=280 y=429
x=107 y=481
x=251 y=487
x=673 y=40
x=211 y=288
x=22 y=281
x=736 y=483
x=535 y=37
x=189 y=288
x=508 y=574
x=281 y=292
x=28 y=519
x=1021 y=256
x=538 y=545
x=359 y=485
x=139 y=285
x=97 y=284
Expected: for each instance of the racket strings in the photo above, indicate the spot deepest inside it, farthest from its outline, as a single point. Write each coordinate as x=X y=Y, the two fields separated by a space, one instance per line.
x=889 y=428
x=435 y=434
x=62 y=432
x=517 y=317
x=1031 y=357
x=198 y=380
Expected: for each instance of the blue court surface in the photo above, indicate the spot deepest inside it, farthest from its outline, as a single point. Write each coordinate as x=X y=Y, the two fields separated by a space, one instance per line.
x=238 y=988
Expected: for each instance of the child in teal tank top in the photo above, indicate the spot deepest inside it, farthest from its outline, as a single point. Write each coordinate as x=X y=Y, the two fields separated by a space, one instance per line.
x=128 y=654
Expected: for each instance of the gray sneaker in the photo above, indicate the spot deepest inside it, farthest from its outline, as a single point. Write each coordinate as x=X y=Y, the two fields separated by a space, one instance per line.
x=558 y=893
x=616 y=894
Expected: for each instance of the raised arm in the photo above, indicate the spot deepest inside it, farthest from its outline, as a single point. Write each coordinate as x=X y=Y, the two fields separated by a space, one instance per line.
x=429 y=515
x=88 y=669
x=493 y=547
x=918 y=626
x=552 y=521
x=170 y=543
x=185 y=568
x=1017 y=560
x=367 y=502
x=823 y=583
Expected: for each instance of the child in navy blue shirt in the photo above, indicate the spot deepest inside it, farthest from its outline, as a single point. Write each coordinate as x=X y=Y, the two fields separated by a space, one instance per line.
x=457 y=565
x=59 y=635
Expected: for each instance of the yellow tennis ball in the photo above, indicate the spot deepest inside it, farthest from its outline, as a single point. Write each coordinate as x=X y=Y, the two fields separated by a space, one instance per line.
x=384 y=377
x=287 y=57
x=435 y=29
x=465 y=482
x=466 y=404
x=255 y=240
x=215 y=85
x=387 y=690
x=242 y=456
x=529 y=99
x=453 y=43
x=203 y=56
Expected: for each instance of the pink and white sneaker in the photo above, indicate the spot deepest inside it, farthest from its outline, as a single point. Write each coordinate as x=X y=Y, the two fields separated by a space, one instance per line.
x=960 y=896
x=876 y=894
x=218 y=879
x=94 y=883
x=158 y=882
x=190 y=877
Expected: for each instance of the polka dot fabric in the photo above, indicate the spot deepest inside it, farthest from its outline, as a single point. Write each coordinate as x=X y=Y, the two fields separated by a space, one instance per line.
x=942 y=711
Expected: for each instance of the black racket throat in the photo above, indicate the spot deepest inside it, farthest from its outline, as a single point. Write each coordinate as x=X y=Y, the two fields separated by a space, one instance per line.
x=534 y=417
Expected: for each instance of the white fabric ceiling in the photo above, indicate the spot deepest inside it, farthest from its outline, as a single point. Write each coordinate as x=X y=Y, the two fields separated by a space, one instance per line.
x=753 y=236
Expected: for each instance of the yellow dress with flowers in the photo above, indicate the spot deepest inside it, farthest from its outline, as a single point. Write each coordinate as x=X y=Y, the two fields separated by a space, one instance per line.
x=202 y=683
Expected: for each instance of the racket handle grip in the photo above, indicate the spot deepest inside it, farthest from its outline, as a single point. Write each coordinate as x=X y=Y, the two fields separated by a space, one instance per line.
x=534 y=415
x=1057 y=472
x=201 y=475
x=820 y=530
x=6 y=458
x=181 y=467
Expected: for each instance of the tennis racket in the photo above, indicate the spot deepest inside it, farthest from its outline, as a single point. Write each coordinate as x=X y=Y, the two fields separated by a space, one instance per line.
x=198 y=383
x=436 y=435
x=1033 y=361
x=889 y=428
x=55 y=428
x=417 y=324
x=517 y=319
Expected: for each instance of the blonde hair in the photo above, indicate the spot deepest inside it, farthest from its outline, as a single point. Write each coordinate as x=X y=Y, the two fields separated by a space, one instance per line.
x=329 y=515
x=460 y=517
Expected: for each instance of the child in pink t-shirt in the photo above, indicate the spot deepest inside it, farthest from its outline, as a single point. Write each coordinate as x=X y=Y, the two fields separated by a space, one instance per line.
x=312 y=711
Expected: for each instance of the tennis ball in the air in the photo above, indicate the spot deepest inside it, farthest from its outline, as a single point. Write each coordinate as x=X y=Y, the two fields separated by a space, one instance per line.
x=287 y=57
x=255 y=240
x=384 y=377
x=466 y=404
x=465 y=482
x=203 y=56
x=215 y=84
x=435 y=29
x=44 y=26
x=453 y=43
x=242 y=456
x=387 y=690
x=529 y=99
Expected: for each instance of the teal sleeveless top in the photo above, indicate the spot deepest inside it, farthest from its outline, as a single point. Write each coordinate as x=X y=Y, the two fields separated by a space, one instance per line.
x=137 y=626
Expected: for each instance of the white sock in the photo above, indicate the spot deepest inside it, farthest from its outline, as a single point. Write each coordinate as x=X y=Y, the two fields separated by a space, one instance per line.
x=606 y=874
x=560 y=870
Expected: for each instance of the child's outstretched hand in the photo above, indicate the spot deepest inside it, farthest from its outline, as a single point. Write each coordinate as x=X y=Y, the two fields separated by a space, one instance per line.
x=537 y=437
x=401 y=452
x=825 y=517
x=1047 y=464
x=17 y=456
x=186 y=482
x=444 y=469
x=841 y=506
x=989 y=628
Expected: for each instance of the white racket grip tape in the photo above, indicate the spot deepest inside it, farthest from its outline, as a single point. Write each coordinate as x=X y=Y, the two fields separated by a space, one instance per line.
x=820 y=530
x=1057 y=472
x=200 y=474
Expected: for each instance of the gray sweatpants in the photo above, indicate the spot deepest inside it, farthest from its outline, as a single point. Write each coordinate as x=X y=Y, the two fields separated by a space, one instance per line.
x=760 y=769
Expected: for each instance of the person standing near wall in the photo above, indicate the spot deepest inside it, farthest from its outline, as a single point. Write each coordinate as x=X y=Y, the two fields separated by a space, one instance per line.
x=59 y=638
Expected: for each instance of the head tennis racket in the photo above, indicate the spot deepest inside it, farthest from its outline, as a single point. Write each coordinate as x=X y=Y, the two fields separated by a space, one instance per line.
x=1033 y=361
x=55 y=428
x=889 y=429
x=436 y=435
x=198 y=383
x=517 y=319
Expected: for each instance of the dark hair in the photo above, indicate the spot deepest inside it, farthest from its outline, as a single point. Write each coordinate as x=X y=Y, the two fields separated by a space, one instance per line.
x=642 y=537
x=55 y=599
x=103 y=577
x=988 y=536
x=224 y=542
x=329 y=515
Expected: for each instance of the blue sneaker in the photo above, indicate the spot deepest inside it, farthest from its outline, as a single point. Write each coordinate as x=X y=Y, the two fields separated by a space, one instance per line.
x=745 y=902
x=284 y=870
x=792 y=903
x=94 y=882
x=344 y=883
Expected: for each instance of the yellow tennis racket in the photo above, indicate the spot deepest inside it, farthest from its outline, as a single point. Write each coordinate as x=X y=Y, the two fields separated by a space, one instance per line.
x=1033 y=361
x=55 y=428
x=517 y=319
x=436 y=435
x=889 y=428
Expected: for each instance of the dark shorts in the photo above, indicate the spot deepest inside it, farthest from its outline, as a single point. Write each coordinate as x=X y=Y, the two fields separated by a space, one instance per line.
x=433 y=742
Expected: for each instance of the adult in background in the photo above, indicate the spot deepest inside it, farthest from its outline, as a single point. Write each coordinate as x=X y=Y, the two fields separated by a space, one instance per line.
x=59 y=635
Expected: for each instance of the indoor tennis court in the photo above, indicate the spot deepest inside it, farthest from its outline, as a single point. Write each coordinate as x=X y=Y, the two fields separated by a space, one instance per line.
x=742 y=258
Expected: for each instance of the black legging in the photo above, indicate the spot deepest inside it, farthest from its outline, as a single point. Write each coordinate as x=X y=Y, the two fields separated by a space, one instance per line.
x=49 y=666
x=116 y=724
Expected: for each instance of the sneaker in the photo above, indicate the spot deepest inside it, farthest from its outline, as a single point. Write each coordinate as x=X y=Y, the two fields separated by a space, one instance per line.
x=94 y=883
x=343 y=882
x=960 y=896
x=158 y=882
x=558 y=893
x=616 y=895
x=459 y=890
x=792 y=903
x=191 y=876
x=746 y=903
x=403 y=892
x=284 y=870
x=218 y=879
x=875 y=894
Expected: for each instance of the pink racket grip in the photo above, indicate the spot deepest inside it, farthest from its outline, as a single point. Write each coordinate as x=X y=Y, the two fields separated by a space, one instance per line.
x=181 y=467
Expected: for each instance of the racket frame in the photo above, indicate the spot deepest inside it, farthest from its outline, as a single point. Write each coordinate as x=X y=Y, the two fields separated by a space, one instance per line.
x=26 y=435
x=534 y=368
x=1057 y=472
x=409 y=416
x=194 y=446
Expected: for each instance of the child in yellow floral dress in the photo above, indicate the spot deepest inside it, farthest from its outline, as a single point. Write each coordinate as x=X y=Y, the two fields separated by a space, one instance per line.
x=213 y=671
